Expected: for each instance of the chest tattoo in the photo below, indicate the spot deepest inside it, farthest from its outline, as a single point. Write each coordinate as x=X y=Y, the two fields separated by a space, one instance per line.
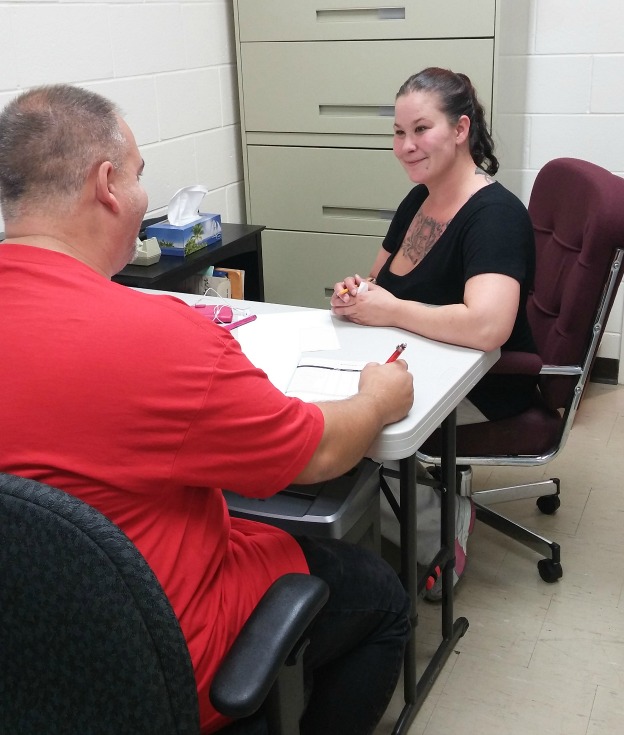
x=421 y=236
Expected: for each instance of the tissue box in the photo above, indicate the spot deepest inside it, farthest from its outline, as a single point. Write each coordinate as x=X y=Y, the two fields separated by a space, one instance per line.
x=186 y=239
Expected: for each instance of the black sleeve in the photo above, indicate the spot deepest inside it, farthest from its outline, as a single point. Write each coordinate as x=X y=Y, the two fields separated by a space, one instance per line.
x=499 y=239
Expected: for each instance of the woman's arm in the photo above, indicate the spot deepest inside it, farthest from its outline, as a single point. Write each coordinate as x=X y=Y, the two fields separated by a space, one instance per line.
x=381 y=258
x=499 y=236
x=484 y=320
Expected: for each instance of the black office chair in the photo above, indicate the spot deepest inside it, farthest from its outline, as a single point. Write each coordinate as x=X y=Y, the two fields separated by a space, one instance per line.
x=577 y=209
x=90 y=644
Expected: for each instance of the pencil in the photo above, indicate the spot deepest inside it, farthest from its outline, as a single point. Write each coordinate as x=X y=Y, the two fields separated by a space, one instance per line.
x=362 y=288
x=240 y=322
x=397 y=352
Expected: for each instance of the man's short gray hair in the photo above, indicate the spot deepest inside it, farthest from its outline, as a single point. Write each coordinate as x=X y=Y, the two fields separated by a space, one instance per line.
x=50 y=139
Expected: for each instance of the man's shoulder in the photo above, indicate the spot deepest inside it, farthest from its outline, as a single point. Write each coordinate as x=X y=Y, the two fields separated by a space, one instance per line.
x=168 y=314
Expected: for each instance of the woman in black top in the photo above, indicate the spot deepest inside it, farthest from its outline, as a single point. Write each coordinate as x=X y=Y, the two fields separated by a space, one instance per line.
x=458 y=241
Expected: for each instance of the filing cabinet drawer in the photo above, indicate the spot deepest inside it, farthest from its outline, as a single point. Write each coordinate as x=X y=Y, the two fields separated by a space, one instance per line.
x=305 y=20
x=327 y=87
x=299 y=266
x=344 y=190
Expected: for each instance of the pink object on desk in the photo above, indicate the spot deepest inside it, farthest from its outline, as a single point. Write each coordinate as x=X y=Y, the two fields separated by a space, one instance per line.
x=240 y=322
x=219 y=313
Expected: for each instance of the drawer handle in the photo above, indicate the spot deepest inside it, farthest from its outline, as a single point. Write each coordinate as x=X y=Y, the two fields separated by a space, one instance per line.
x=359 y=14
x=358 y=213
x=357 y=110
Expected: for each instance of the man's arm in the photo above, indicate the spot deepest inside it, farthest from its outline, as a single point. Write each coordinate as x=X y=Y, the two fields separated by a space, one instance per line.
x=386 y=394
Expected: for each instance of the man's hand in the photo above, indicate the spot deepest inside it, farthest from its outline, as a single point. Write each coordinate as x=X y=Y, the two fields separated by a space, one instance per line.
x=391 y=387
x=385 y=395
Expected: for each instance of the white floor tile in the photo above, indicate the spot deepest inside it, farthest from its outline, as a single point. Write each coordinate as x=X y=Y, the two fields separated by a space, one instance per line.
x=539 y=657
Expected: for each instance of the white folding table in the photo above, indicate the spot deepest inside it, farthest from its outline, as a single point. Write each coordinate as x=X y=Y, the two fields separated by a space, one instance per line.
x=443 y=375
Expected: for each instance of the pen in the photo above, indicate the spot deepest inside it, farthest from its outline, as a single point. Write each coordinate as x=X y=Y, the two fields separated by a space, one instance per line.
x=397 y=352
x=362 y=288
x=240 y=322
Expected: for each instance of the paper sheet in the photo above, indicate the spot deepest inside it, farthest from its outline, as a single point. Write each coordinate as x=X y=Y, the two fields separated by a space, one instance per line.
x=274 y=342
x=324 y=380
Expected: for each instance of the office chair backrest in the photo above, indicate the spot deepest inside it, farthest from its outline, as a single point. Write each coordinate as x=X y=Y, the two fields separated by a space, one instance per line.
x=88 y=640
x=577 y=210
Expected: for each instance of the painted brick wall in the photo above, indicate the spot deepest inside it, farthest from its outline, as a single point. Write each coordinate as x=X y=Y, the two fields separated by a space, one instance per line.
x=169 y=65
x=560 y=92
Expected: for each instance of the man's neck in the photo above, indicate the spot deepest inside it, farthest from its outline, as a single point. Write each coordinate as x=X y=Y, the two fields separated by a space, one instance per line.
x=56 y=244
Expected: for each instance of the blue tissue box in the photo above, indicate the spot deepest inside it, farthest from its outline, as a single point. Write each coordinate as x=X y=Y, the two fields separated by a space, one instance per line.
x=186 y=239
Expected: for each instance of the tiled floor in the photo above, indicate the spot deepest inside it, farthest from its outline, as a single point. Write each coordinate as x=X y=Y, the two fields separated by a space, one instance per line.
x=541 y=658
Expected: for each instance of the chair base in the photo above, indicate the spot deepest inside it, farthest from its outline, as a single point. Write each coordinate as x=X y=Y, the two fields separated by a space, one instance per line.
x=547 y=492
x=550 y=569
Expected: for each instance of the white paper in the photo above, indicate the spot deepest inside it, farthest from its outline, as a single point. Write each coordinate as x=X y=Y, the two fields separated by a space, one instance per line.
x=318 y=379
x=274 y=342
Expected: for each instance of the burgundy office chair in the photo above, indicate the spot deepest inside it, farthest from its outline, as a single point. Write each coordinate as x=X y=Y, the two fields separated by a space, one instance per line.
x=577 y=209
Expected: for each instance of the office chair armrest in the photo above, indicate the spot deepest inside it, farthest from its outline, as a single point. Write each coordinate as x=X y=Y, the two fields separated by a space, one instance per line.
x=561 y=370
x=517 y=363
x=265 y=643
x=528 y=363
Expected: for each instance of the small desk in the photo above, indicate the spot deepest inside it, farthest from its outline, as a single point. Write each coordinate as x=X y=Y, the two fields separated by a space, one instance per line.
x=443 y=375
x=240 y=247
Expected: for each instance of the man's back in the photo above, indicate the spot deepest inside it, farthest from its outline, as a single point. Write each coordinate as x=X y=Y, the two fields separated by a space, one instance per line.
x=139 y=406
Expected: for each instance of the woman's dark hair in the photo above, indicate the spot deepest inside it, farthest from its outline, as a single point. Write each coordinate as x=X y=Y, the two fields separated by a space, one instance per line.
x=457 y=97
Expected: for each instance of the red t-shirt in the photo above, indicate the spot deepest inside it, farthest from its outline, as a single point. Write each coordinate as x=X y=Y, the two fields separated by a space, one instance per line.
x=143 y=408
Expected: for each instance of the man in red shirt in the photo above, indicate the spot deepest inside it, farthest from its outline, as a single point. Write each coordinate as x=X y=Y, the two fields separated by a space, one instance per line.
x=144 y=409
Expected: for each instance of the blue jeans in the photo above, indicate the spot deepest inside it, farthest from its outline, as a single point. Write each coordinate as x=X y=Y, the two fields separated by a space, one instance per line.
x=357 y=642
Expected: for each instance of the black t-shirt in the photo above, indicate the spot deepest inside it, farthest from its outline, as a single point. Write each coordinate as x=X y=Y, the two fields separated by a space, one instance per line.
x=491 y=233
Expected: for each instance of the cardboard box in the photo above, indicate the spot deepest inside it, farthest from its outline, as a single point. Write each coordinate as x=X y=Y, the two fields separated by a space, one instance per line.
x=186 y=239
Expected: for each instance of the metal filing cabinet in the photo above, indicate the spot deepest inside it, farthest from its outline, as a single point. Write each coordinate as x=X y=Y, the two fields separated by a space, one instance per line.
x=317 y=82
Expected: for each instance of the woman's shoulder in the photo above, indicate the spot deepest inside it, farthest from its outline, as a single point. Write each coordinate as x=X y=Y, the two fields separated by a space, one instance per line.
x=403 y=216
x=412 y=202
x=495 y=201
x=415 y=196
x=496 y=193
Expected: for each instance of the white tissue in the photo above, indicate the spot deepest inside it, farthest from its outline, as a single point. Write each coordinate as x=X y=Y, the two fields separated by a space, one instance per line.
x=184 y=205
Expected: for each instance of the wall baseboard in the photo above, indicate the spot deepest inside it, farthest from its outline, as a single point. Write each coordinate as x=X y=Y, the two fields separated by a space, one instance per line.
x=605 y=370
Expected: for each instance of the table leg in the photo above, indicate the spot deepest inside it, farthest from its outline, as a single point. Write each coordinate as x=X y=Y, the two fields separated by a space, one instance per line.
x=415 y=689
x=409 y=571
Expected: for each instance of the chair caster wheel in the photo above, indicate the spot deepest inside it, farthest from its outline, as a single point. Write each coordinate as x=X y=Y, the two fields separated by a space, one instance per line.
x=549 y=570
x=548 y=504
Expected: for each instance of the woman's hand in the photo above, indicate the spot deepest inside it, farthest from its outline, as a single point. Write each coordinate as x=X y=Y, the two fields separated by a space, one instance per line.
x=347 y=288
x=373 y=307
